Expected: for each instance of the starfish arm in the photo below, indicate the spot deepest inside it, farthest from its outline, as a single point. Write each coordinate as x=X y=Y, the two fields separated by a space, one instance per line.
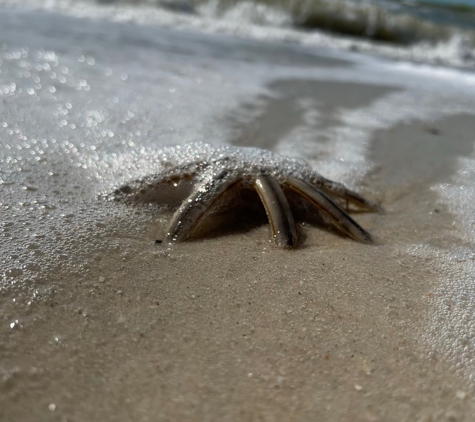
x=324 y=204
x=341 y=191
x=278 y=211
x=189 y=215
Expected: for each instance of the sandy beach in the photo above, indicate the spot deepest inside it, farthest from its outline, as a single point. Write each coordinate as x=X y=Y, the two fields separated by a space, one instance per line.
x=100 y=323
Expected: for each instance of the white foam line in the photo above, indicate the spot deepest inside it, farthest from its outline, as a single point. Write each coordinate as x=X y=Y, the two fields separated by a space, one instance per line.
x=344 y=156
x=451 y=330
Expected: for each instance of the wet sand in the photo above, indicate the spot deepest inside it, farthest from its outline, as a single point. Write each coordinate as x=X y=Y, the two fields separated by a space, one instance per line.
x=231 y=328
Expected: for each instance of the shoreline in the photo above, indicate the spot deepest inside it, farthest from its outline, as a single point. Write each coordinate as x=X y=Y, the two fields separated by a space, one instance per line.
x=112 y=326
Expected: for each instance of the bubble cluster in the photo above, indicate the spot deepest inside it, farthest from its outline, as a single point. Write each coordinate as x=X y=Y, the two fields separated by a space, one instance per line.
x=196 y=162
x=53 y=146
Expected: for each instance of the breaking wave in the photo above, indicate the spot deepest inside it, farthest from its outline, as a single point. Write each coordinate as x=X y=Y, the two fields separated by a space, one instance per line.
x=413 y=30
x=448 y=31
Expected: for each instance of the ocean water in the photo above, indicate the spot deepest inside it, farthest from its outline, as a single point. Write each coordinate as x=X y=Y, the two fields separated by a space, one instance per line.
x=434 y=32
x=469 y=3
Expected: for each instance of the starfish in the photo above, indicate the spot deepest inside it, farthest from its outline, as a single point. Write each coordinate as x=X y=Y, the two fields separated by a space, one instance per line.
x=210 y=173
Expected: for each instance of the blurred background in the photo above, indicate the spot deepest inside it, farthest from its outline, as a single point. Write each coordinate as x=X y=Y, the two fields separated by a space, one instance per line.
x=394 y=21
x=431 y=30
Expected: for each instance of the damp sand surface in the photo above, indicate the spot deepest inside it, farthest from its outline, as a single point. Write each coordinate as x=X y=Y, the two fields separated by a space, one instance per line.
x=232 y=327
x=116 y=327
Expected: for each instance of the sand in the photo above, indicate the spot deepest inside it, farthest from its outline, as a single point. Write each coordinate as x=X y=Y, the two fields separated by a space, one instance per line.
x=231 y=328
